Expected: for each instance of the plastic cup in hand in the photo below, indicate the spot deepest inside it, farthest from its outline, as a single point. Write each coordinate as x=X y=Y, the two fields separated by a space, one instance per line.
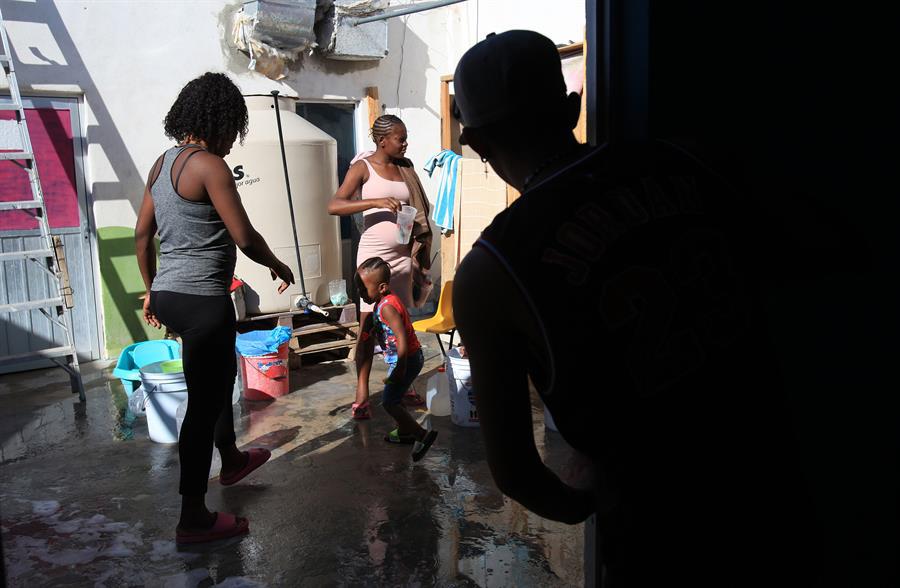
x=405 y=219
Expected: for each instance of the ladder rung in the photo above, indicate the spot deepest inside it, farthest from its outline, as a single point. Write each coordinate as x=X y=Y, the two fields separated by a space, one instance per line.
x=33 y=254
x=39 y=354
x=31 y=304
x=10 y=106
x=20 y=205
x=16 y=155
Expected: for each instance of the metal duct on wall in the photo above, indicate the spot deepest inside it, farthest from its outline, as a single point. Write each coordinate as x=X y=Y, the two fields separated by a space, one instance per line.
x=274 y=32
x=340 y=38
x=283 y=24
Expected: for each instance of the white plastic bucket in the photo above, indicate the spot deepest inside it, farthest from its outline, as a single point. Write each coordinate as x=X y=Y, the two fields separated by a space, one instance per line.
x=180 y=413
x=438 y=396
x=462 y=395
x=165 y=391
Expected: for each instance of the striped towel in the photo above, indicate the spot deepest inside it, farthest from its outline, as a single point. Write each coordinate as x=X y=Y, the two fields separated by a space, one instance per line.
x=448 y=161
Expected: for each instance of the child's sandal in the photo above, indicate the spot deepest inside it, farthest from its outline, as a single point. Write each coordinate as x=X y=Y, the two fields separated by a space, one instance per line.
x=396 y=438
x=412 y=398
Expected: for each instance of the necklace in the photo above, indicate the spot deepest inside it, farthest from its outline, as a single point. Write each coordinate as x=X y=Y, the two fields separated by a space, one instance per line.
x=544 y=165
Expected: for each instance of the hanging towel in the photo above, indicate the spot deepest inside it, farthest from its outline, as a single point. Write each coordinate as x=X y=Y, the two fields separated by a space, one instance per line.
x=448 y=161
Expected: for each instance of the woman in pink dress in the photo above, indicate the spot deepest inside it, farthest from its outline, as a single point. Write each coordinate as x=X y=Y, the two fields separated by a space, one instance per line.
x=378 y=185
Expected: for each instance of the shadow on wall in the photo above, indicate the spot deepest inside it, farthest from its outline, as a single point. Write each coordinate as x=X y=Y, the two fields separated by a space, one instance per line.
x=75 y=73
x=122 y=286
x=17 y=335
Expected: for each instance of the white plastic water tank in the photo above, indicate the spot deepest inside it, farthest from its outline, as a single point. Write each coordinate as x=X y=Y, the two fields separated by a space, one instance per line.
x=259 y=175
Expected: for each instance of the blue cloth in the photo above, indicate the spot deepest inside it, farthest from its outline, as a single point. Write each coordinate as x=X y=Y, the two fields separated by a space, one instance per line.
x=394 y=391
x=257 y=343
x=448 y=161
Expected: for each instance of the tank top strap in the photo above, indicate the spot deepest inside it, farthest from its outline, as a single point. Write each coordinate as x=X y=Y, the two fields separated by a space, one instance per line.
x=185 y=162
x=371 y=169
x=168 y=163
x=165 y=167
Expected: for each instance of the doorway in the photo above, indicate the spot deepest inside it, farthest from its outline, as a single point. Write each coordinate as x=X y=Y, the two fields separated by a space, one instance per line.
x=54 y=125
x=336 y=119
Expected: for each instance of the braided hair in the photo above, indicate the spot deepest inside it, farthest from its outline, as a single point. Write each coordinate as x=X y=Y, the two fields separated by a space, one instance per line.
x=378 y=266
x=383 y=125
x=375 y=265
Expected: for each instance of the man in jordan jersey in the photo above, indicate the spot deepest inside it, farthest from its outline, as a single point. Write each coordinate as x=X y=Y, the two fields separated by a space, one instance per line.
x=626 y=278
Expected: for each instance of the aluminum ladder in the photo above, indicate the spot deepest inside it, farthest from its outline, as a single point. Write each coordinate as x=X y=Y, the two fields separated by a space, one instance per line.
x=51 y=256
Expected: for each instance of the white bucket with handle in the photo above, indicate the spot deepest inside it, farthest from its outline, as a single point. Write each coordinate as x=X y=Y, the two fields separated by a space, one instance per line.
x=165 y=389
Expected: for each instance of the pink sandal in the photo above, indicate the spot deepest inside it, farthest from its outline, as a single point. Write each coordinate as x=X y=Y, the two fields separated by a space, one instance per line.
x=360 y=410
x=226 y=526
x=412 y=398
x=255 y=458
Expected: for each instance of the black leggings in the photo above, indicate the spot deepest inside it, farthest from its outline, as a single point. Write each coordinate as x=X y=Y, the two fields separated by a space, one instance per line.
x=207 y=328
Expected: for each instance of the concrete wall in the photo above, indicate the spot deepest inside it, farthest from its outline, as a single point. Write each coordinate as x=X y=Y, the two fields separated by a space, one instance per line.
x=127 y=61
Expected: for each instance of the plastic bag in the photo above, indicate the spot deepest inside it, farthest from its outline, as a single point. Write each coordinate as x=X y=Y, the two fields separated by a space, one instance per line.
x=257 y=343
x=136 y=401
x=337 y=292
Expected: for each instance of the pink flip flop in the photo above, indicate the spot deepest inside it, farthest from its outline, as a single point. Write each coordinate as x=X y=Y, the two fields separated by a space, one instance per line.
x=360 y=410
x=227 y=525
x=256 y=457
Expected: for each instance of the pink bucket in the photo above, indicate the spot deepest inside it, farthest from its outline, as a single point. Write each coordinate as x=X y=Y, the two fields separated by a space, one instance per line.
x=265 y=376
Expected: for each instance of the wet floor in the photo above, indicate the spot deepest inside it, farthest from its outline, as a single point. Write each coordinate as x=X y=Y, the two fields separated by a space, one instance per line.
x=88 y=500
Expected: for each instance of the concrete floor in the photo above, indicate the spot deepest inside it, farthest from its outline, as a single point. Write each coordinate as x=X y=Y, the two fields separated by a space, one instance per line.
x=88 y=500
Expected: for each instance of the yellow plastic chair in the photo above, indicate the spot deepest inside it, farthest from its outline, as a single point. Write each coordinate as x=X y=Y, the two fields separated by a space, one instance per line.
x=442 y=321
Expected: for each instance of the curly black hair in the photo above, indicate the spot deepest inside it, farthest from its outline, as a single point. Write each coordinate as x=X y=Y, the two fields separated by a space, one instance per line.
x=210 y=108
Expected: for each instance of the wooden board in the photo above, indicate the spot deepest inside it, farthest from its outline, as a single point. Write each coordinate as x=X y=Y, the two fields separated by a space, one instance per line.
x=373 y=104
x=343 y=308
x=446 y=116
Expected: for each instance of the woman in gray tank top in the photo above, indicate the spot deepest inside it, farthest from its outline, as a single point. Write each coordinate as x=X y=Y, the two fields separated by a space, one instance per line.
x=192 y=202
